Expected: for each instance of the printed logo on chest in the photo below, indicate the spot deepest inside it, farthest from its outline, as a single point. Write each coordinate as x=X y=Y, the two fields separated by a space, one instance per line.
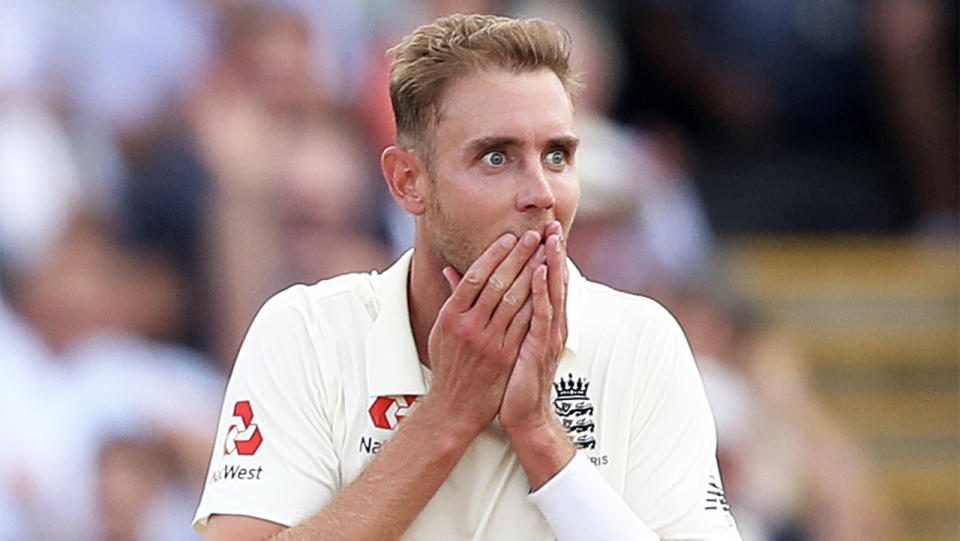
x=386 y=412
x=574 y=409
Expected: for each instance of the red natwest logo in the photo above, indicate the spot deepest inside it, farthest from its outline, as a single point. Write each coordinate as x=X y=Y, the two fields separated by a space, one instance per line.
x=243 y=438
x=387 y=411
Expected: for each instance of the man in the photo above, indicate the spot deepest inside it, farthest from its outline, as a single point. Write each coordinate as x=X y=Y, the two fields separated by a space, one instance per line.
x=480 y=388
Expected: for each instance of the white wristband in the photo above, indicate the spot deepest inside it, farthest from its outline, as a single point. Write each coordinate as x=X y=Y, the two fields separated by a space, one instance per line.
x=580 y=505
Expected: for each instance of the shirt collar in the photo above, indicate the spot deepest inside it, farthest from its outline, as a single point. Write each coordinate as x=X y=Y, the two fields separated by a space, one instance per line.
x=574 y=288
x=392 y=362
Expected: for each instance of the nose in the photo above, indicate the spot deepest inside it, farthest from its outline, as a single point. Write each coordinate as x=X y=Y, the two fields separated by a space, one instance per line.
x=535 y=191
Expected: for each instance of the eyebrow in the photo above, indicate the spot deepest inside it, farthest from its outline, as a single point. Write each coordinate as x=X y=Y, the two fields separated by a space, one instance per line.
x=497 y=141
x=569 y=142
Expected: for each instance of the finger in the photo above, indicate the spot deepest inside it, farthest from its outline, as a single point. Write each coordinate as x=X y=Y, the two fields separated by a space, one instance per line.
x=554 y=228
x=476 y=276
x=542 y=310
x=453 y=277
x=518 y=328
x=518 y=293
x=505 y=274
x=556 y=270
x=563 y=253
x=558 y=278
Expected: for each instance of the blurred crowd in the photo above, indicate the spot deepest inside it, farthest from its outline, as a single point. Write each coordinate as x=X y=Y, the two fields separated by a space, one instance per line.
x=167 y=165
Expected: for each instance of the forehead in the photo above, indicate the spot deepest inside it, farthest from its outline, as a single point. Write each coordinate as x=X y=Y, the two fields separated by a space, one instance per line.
x=530 y=106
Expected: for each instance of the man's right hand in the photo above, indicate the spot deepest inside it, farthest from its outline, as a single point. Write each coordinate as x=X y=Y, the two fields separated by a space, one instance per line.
x=474 y=343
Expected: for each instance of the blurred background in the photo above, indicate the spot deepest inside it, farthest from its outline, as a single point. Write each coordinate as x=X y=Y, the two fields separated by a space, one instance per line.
x=781 y=174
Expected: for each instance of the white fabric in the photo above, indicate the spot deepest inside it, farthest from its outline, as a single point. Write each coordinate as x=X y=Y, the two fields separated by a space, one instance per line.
x=578 y=490
x=316 y=358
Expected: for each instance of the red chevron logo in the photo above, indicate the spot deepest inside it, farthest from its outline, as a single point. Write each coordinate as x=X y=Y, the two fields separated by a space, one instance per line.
x=387 y=411
x=244 y=437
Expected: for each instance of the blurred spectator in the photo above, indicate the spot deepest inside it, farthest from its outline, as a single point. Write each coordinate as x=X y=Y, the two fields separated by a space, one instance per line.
x=40 y=182
x=914 y=45
x=136 y=499
x=298 y=209
x=210 y=173
x=130 y=472
x=263 y=59
x=77 y=363
x=785 y=110
x=286 y=195
x=340 y=43
x=266 y=50
x=328 y=214
x=77 y=307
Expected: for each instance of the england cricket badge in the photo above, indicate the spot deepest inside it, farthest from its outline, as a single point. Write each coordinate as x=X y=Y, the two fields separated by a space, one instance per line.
x=575 y=411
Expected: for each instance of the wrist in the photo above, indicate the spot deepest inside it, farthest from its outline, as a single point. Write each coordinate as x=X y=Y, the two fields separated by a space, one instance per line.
x=447 y=421
x=543 y=450
x=538 y=424
x=542 y=432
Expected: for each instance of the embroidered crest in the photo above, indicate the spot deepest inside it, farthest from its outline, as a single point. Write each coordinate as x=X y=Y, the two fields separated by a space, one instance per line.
x=575 y=411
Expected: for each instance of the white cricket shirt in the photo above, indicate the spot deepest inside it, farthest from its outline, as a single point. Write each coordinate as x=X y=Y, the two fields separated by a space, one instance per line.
x=327 y=371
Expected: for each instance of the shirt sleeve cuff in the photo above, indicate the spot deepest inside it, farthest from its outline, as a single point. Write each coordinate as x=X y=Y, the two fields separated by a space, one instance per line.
x=578 y=503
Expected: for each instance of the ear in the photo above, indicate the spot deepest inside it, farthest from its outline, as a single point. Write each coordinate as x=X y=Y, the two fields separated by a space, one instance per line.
x=404 y=172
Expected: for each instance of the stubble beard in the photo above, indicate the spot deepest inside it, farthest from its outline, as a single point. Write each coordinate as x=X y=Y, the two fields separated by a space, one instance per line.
x=450 y=239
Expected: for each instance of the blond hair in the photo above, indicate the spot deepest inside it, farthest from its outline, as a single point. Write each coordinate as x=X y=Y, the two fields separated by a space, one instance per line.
x=428 y=59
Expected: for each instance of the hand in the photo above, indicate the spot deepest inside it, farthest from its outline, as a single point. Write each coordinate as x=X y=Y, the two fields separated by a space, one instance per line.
x=526 y=400
x=476 y=339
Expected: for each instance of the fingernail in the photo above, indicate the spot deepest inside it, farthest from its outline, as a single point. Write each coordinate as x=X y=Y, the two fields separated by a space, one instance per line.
x=508 y=240
x=530 y=239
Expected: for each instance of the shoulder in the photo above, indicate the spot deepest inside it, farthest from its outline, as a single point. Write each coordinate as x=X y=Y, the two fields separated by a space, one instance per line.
x=632 y=334
x=338 y=297
x=603 y=305
x=308 y=324
x=304 y=334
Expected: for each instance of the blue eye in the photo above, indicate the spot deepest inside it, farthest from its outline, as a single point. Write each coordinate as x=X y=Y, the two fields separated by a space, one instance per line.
x=494 y=158
x=556 y=158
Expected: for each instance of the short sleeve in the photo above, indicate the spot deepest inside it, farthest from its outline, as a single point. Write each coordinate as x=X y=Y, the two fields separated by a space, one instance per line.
x=273 y=457
x=673 y=447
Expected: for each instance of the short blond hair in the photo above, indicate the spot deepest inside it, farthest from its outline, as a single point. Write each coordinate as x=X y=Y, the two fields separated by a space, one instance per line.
x=428 y=59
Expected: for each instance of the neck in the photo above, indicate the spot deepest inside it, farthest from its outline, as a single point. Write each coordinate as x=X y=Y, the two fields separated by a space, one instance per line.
x=427 y=290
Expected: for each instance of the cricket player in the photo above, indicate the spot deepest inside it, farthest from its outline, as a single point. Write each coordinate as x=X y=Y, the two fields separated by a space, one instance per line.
x=480 y=388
